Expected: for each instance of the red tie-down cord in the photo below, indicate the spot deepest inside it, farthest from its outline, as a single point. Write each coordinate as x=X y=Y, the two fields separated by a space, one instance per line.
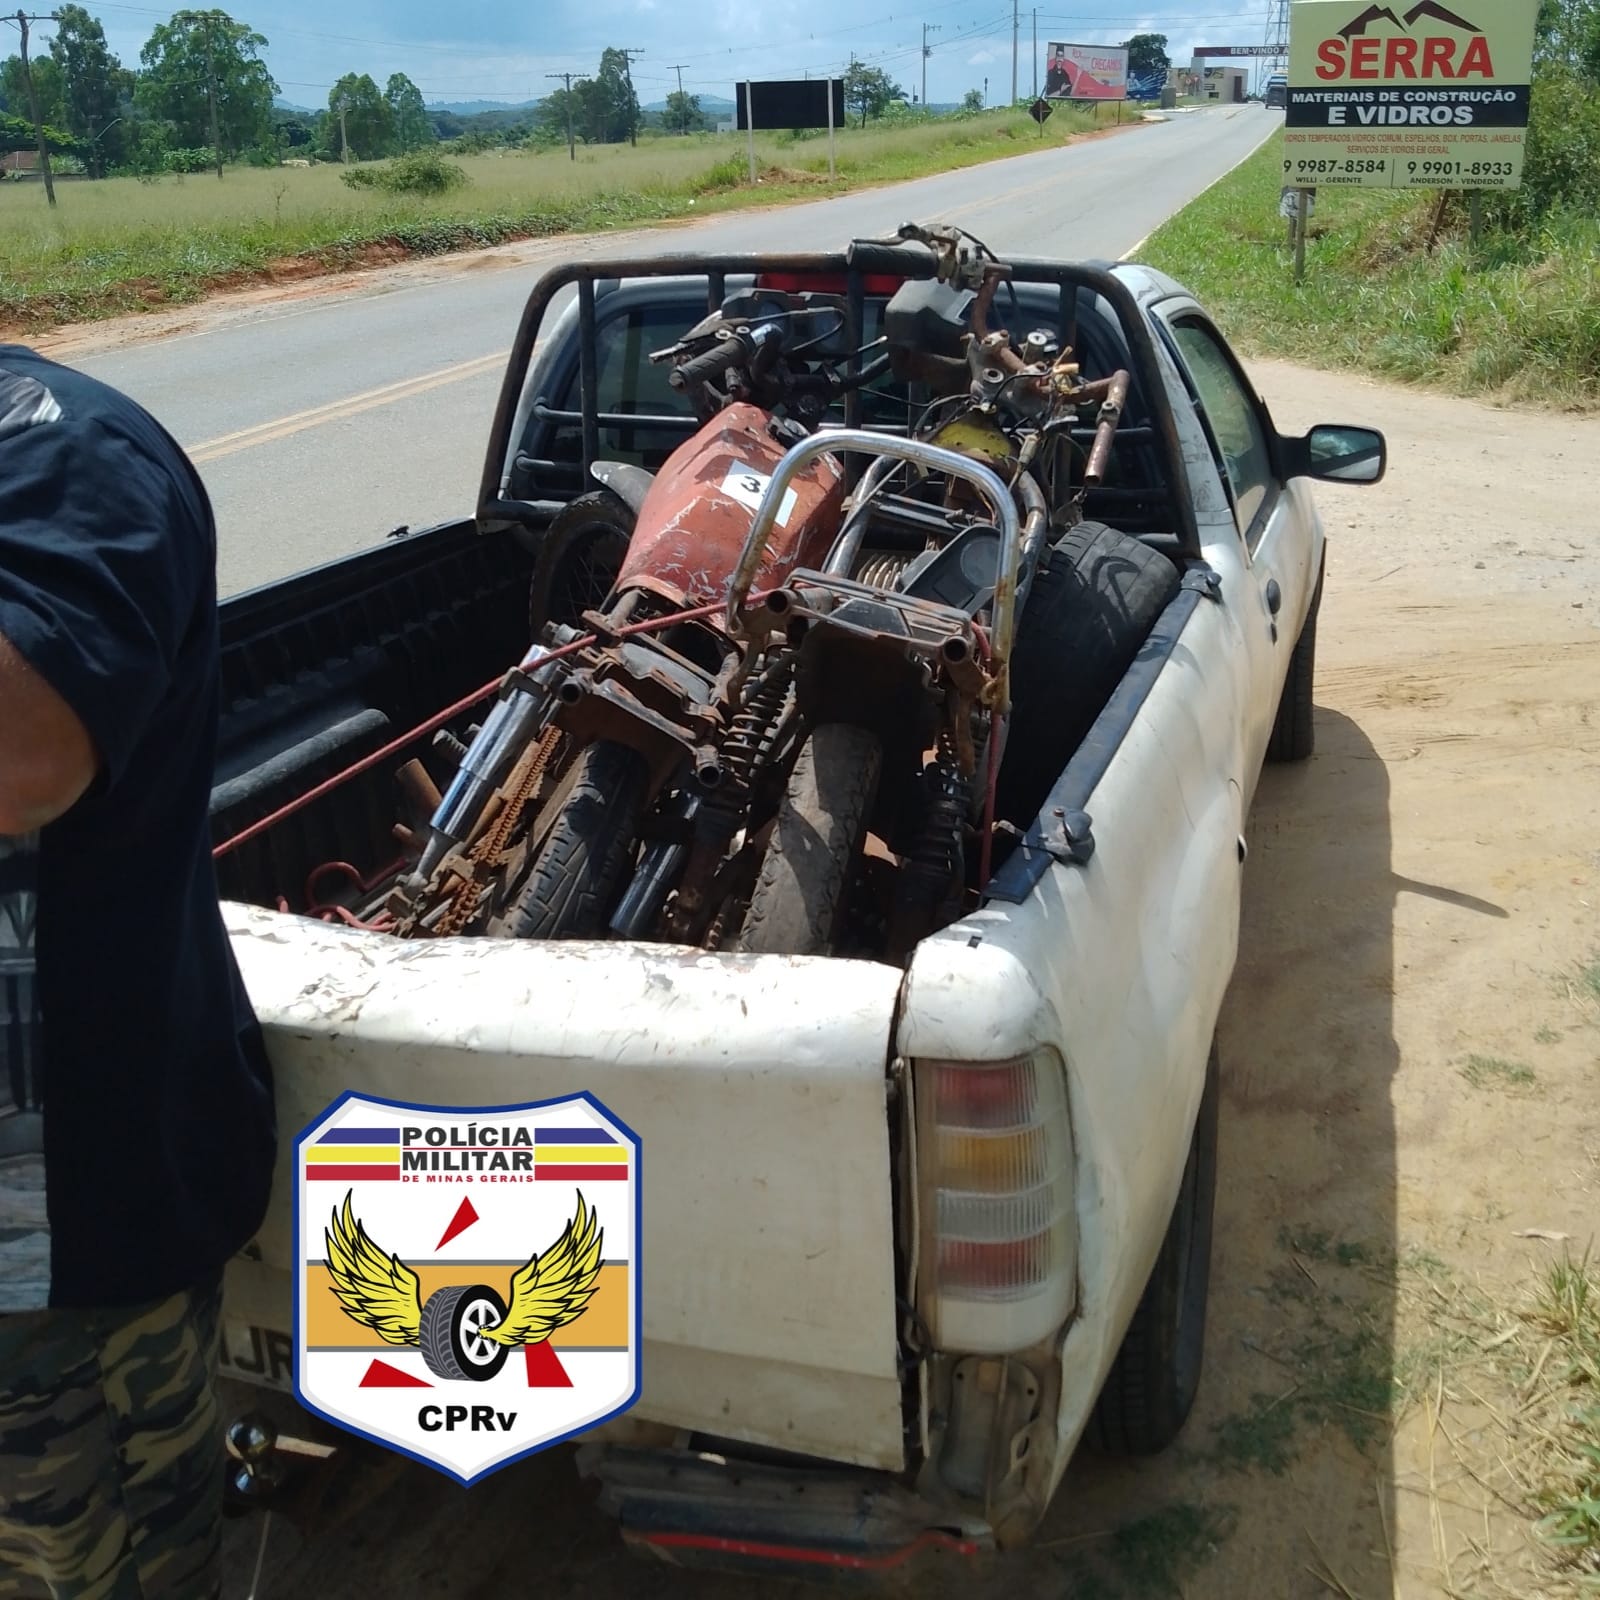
x=439 y=719
x=450 y=712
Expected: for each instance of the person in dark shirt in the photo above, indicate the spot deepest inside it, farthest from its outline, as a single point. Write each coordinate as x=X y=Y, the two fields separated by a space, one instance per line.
x=136 y=1118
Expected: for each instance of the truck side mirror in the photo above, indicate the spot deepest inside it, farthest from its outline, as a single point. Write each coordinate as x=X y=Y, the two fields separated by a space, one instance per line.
x=1336 y=453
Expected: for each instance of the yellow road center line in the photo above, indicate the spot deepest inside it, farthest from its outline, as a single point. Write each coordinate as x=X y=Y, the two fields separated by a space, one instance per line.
x=228 y=444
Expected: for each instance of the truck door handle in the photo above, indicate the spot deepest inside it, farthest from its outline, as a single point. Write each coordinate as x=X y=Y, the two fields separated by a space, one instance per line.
x=1274 y=596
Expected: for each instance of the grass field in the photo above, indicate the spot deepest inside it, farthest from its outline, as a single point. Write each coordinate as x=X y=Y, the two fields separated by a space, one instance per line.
x=1516 y=319
x=128 y=244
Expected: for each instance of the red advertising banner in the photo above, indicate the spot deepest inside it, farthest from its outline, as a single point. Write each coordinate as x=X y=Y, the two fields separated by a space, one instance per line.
x=1086 y=72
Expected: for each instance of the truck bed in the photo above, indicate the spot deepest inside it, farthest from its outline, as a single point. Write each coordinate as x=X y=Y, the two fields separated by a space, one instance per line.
x=327 y=666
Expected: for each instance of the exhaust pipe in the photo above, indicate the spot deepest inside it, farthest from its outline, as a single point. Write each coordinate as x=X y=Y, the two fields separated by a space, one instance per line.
x=708 y=769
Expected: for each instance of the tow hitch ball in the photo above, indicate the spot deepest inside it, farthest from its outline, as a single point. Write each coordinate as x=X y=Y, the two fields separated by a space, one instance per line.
x=255 y=1468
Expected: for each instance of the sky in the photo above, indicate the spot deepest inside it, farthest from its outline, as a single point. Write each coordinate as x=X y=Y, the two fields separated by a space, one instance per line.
x=477 y=50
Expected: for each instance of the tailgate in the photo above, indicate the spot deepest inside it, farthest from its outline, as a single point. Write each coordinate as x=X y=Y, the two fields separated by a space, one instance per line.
x=757 y=1086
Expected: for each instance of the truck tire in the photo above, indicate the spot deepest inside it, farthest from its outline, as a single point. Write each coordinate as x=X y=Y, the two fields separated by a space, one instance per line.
x=579 y=872
x=798 y=904
x=451 y=1337
x=1095 y=599
x=579 y=559
x=1153 y=1381
x=1294 y=733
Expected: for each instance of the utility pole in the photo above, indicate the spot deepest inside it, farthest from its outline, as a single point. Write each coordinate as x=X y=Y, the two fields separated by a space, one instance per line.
x=572 y=146
x=211 y=75
x=1016 y=25
x=209 y=18
x=1036 y=58
x=926 y=52
x=627 y=67
x=683 y=110
x=22 y=19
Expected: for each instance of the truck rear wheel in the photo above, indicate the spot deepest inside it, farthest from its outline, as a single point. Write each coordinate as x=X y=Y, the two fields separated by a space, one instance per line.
x=579 y=872
x=798 y=905
x=1153 y=1381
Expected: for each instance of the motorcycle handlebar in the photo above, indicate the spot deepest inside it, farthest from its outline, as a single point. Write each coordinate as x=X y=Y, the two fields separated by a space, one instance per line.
x=709 y=366
x=891 y=260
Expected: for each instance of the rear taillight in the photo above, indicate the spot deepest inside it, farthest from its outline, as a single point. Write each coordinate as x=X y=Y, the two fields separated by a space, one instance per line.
x=997 y=1256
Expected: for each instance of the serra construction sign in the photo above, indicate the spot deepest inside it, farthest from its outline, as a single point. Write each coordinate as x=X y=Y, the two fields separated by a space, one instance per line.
x=1423 y=95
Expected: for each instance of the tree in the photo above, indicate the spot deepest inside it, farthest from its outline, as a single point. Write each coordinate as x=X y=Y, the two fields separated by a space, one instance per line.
x=16 y=133
x=178 y=60
x=683 y=112
x=92 y=82
x=972 y=100
x=870 y=90
x=293 y=130
x=554 y=110
x=47 y=85
x=408 y=116
x=1568 y=35
x=363 y=127
x=1147 y=53
x=612 y=105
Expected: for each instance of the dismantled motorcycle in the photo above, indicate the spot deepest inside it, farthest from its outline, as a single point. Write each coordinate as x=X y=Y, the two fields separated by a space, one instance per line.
x=781 y=730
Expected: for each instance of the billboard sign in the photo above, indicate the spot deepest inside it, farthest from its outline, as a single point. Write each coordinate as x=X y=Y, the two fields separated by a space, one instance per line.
x=785 y=103
x=1086 y=72
x=1425 y=97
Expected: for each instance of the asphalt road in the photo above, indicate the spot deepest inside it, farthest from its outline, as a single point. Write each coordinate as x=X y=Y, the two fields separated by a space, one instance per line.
x=322 y=423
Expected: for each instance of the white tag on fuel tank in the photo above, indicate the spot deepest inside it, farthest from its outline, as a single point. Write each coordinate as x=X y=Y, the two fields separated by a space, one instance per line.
x=747 y=486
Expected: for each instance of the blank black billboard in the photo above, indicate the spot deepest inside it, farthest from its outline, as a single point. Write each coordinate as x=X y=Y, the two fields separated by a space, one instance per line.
x=790 y=103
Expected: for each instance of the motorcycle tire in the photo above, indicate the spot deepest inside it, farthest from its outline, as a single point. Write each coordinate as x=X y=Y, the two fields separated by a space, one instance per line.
x=579 y=558
x=799 y=902
x=583 y=864
x=1096 y=597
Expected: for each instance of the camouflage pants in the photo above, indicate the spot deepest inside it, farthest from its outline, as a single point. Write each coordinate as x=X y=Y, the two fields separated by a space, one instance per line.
x=111 y=1452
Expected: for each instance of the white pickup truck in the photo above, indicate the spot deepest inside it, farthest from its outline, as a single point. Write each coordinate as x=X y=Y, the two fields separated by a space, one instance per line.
x=910 y=1233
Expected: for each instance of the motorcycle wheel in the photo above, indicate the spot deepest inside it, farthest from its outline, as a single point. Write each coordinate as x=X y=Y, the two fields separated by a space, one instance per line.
x=579 y=558
x=574 y=884
x=799 y=902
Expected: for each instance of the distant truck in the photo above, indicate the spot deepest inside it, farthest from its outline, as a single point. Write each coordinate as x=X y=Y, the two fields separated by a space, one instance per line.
x=1277 y=91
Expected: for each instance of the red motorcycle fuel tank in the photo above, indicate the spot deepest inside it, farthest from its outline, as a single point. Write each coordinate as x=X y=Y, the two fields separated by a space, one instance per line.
x=697 y=514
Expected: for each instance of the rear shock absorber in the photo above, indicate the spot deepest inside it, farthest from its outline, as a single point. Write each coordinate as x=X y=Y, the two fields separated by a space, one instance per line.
x=723 y=808
x=754 y=722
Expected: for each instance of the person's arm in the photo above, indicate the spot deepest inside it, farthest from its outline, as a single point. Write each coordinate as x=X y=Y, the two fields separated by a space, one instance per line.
x=99 y=567
x=47 y=758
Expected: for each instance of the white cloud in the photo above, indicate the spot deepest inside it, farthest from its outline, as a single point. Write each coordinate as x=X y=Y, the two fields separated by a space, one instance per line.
x=982 y=58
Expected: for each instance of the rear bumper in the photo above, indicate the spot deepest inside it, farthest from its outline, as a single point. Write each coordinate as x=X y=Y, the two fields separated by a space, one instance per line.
x=701 y=1510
